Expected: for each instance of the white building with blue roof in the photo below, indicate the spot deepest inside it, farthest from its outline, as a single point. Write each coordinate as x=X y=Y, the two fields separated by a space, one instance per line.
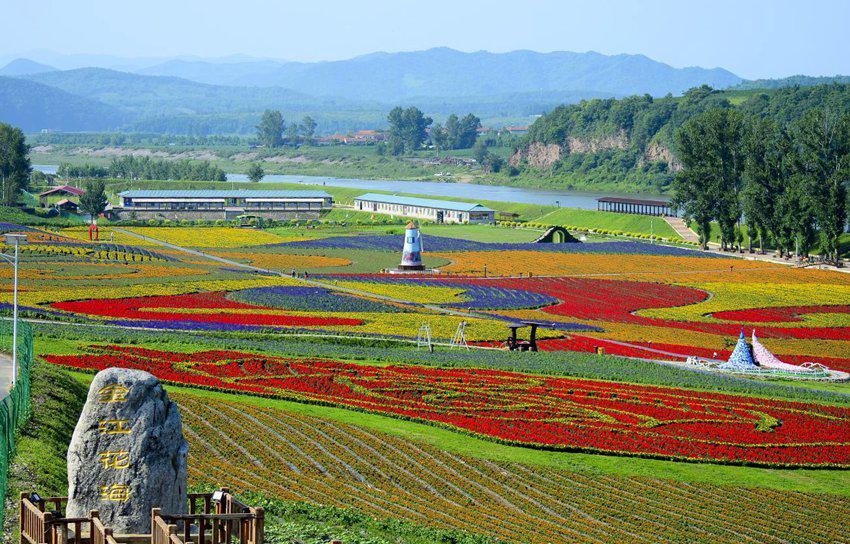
x=439 y=211
x=212 y=204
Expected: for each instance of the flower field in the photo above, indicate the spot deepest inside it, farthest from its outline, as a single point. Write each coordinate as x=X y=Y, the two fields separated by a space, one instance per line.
x=522 y=409
x=310 y=458
x=624 y=292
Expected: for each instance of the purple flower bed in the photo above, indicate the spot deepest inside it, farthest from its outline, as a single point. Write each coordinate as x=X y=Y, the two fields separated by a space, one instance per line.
x=442 y=243
x=309 y=299
x=13 y=227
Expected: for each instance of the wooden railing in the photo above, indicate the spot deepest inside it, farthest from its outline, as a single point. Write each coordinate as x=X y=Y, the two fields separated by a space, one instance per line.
x=217 y=518
x=224 y=520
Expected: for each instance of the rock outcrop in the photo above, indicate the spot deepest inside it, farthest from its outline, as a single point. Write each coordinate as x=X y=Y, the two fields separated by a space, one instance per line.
x=537 y=155
x=661 y=153
x=601 y=143
x=128 y=454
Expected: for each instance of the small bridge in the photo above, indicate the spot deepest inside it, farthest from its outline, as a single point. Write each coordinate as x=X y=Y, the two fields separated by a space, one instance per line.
x=213 y=517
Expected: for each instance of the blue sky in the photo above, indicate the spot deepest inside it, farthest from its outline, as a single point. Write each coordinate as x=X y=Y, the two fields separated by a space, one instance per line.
x=753 y=38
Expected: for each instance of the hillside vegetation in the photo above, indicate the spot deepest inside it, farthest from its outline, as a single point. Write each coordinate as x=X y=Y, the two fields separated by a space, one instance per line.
x=630 y=142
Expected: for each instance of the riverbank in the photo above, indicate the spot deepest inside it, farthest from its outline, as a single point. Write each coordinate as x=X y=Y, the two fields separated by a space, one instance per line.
x=360 y=162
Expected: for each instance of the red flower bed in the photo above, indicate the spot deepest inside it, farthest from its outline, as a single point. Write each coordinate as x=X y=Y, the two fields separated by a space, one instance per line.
x=523 y=409
x=779 y=315
x=148 y=309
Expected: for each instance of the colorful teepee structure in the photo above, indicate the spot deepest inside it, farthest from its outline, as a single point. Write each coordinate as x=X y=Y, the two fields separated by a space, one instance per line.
x=742 y=356
x=766 y=359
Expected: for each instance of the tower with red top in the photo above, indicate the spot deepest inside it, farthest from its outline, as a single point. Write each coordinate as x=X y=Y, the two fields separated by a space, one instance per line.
x=411 y=257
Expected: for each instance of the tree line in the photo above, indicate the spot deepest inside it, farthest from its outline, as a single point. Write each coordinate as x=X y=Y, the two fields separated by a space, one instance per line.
x=787 y=182
x=130 y=167
x=273 y=131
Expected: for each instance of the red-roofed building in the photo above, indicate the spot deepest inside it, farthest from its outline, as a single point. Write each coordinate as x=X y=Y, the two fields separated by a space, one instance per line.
x=516 y=129
x=59 y=191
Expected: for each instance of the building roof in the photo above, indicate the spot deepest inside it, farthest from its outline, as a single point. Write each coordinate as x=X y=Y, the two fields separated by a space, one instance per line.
x=66 y=202
x=217 y=193
x=425 y=202
x=64 y=189
x=640 y=201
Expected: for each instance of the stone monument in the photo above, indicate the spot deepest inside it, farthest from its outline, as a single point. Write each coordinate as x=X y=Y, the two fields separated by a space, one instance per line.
x=128 y=453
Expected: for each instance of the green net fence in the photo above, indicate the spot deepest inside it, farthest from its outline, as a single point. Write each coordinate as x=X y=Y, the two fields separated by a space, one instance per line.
x=15 y=406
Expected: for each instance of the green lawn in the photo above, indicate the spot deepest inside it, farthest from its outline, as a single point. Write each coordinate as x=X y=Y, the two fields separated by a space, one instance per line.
x=483 y=233
x=641 y=224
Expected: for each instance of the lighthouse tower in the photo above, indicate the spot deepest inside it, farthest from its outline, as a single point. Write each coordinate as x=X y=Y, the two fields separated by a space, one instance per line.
x=411 y=257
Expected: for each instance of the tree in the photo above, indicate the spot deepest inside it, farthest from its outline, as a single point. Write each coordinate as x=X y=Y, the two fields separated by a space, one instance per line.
x=309 y=127
x=462 y=133
x=468 y=132
x=14 y=164
x=711 y=151
x=822 y=159
x=270 y=129
x=407 y=129
x=256 y=173
x=765 y=178
x=94 y=201
x=439 y=137
x=480 y=152
x=293 y=132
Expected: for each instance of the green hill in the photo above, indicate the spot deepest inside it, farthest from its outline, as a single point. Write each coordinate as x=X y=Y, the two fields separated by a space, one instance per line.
x=629 y=142
x=33 y=107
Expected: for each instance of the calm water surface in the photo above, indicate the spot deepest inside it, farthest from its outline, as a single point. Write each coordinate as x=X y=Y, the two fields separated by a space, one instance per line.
x=500 y=193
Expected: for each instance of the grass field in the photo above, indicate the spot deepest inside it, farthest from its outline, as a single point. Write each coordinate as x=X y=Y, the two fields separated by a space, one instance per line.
x=590 y=219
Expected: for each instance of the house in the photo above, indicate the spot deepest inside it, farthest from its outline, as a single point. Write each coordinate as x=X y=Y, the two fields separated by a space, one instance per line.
x=516 y=130
x=57 y=193
x=67 y=205
x=222 y=204
x=439 y=211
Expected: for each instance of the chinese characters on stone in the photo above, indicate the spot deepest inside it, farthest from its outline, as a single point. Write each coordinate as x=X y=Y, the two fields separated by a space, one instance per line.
x=114 y=460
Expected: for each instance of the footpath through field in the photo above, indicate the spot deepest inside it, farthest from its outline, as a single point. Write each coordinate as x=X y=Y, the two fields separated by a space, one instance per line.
x=5 y=374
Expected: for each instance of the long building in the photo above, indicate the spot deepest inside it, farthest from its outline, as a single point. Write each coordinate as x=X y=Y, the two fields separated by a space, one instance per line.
x=222 y=204
x=439 y=211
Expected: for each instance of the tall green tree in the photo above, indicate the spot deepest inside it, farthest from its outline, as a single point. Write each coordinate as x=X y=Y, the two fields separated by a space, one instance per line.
x=308 y=125
x=256 y=173
x=796 y=228
x=271 y=127
x=712 y=154
x=408 y=129
x=439 y=137
x=94 y=201
x=293 y=134
x=766 y=175
x=822 y=159
x=15 y=164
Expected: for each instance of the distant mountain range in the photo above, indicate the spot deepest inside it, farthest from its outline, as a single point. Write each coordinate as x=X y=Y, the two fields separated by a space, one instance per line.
x=202 y=96
x=444 y=72
x=23 y=67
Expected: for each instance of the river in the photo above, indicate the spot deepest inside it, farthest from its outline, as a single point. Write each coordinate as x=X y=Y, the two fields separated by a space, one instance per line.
x=499 y=193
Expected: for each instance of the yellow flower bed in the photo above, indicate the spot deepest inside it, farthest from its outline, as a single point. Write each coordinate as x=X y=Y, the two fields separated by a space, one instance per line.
x=420 y=294
x=283 y=262
x=106 y=234
x=539 y=263
x=741 y=296
x=222 y=237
